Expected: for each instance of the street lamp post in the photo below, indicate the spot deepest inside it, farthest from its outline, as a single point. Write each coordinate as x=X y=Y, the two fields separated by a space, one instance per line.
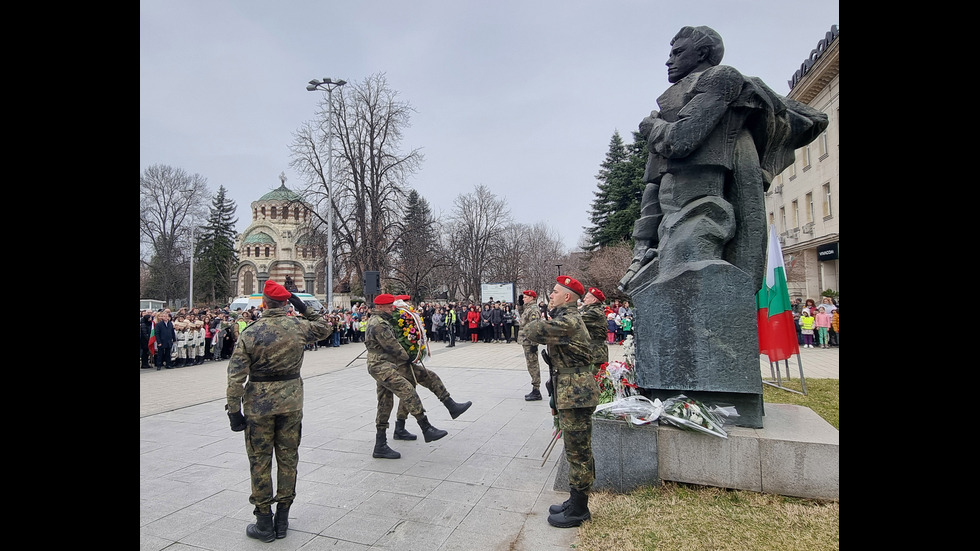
x=328 y=85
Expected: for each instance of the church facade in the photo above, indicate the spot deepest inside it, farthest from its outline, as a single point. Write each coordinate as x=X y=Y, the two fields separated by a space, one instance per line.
x=278 y=243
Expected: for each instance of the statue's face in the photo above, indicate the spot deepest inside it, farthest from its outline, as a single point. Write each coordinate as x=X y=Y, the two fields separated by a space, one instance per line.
x=684 y=58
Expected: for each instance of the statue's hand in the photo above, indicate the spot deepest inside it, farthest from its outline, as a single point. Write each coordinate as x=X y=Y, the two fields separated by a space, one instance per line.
x=646 y=125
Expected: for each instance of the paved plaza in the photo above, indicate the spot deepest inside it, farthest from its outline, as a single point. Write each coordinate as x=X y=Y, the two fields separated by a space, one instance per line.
x=482 y=487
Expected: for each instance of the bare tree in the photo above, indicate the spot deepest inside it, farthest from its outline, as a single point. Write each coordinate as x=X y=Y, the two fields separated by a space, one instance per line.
x=370 y=170
x=541 y=254
x=478 y=220
x=172 y=202
x=419 y=255
x=605 y=266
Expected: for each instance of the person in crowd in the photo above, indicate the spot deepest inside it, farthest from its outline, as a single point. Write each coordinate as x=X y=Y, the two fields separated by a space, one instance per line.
x=439 y=324
x=822 y=324
x=810 y=306
x=473 y=320
x=146 y=329
x=508 y=316
x=835 y=325
x=807 y=323
x=486 y=324
x=611 y=327
x=452 y=325
x=497 y=322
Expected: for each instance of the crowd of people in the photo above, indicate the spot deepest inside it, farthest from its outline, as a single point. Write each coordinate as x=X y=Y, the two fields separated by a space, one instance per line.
x=817 y=324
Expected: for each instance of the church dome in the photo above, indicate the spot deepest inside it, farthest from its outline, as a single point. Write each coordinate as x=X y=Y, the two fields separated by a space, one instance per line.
x=282 y=193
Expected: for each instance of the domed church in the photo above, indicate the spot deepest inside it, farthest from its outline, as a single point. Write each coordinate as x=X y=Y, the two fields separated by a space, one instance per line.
x=278 y=243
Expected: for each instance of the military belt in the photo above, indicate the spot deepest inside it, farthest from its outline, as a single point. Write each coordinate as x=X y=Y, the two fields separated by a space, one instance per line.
x=562 y=370
x=272 y=378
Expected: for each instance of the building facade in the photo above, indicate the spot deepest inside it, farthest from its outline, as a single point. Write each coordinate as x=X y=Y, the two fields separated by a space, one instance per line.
x=277 y=244
x=803 y=201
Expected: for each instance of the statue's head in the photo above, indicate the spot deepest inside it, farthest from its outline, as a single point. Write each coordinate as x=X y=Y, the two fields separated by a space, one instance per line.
x=693 y=49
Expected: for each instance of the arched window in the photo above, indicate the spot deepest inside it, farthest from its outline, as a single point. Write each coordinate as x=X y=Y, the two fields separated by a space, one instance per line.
x=273 y=213
x=263 y=212
x=256 y=251
x=295 y=213
x=267 y=252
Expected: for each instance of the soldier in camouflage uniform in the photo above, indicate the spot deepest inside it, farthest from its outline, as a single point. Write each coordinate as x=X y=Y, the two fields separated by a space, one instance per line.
x=576 y=394
x=594 y=317
x=265 y=399
x=389 y=364
x=529 y=312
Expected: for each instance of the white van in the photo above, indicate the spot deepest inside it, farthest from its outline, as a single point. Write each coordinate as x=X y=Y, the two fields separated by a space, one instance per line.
x=245 y=302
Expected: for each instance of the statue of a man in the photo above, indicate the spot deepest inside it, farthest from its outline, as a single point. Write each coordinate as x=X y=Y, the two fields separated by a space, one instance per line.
x=715 y=144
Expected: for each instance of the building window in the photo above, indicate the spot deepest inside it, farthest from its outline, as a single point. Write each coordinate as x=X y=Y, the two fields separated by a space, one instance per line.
x=772 y=219
x=273 y=213
x=295 y=213
x=809 y=207
x=263 y=212
x=806 y=158
x=828 y=208
x=823 y=147
x=796 y=213
x=248 y=251
x=791 y=171
x=256 y=251
x=267 y=252
x=782 y=218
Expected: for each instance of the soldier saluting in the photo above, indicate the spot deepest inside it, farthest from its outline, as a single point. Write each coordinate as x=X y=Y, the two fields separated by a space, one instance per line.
x=576 y=394
x=268 y=406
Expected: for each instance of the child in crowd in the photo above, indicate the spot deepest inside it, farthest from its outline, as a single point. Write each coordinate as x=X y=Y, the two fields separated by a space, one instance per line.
x=822 y=324
x=807 y=322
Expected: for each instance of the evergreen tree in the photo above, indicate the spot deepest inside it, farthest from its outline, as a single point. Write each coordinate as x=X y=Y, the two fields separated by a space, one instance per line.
x=417 y=248
x=215 y=255
x=617 y=201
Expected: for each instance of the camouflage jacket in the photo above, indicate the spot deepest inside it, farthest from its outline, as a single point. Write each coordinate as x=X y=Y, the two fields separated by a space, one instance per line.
x=272 y=347
x=383 y=347
x=594 y=316
x=571 y=356
x=530 y=313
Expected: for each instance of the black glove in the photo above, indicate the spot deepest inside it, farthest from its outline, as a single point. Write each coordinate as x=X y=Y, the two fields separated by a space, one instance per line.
x=297 y=303
x=547 y=357
x=550 y=386
x=237 y=421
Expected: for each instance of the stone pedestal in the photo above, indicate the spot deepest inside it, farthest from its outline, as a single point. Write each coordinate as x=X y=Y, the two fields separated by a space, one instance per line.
x=625 y=457
x=797 y=454
x=696 y=334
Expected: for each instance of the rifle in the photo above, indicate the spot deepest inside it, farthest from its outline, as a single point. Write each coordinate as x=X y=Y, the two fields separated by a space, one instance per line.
x=550 y=386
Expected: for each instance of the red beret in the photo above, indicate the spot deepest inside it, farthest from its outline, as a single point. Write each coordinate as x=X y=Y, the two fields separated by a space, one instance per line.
x=571 y=284
x=406 y=298
x=384 y=298
x=275 y=291
x=597 y=294
x=531 y=293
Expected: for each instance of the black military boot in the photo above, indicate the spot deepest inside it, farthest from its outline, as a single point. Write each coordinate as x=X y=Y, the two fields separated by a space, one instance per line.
x=381 y=449
x=401 y=433
x=575 y=514
x=554 y=509
x=281 y=520
x=429 y=432
x=455 y=409
x=535 y=394
x=262 y=530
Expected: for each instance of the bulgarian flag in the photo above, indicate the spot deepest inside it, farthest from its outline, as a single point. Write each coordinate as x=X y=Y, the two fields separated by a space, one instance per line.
x=153 y=339
x=777 y=332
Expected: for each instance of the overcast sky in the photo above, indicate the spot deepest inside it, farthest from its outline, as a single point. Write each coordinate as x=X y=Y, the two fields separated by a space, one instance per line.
x=519 y=95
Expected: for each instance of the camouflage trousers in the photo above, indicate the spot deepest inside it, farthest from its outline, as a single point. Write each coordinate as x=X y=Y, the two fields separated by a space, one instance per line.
x=264 y=435
x=576 y=433
x=391 y=382
x=533 y=368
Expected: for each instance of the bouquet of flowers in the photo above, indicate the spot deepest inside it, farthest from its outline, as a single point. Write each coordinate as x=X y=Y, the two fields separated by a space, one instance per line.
x=616 y=381
x=411 y=332
x=690 y=414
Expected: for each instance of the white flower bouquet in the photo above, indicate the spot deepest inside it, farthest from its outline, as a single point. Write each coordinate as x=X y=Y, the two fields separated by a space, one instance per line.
x=690 y=414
